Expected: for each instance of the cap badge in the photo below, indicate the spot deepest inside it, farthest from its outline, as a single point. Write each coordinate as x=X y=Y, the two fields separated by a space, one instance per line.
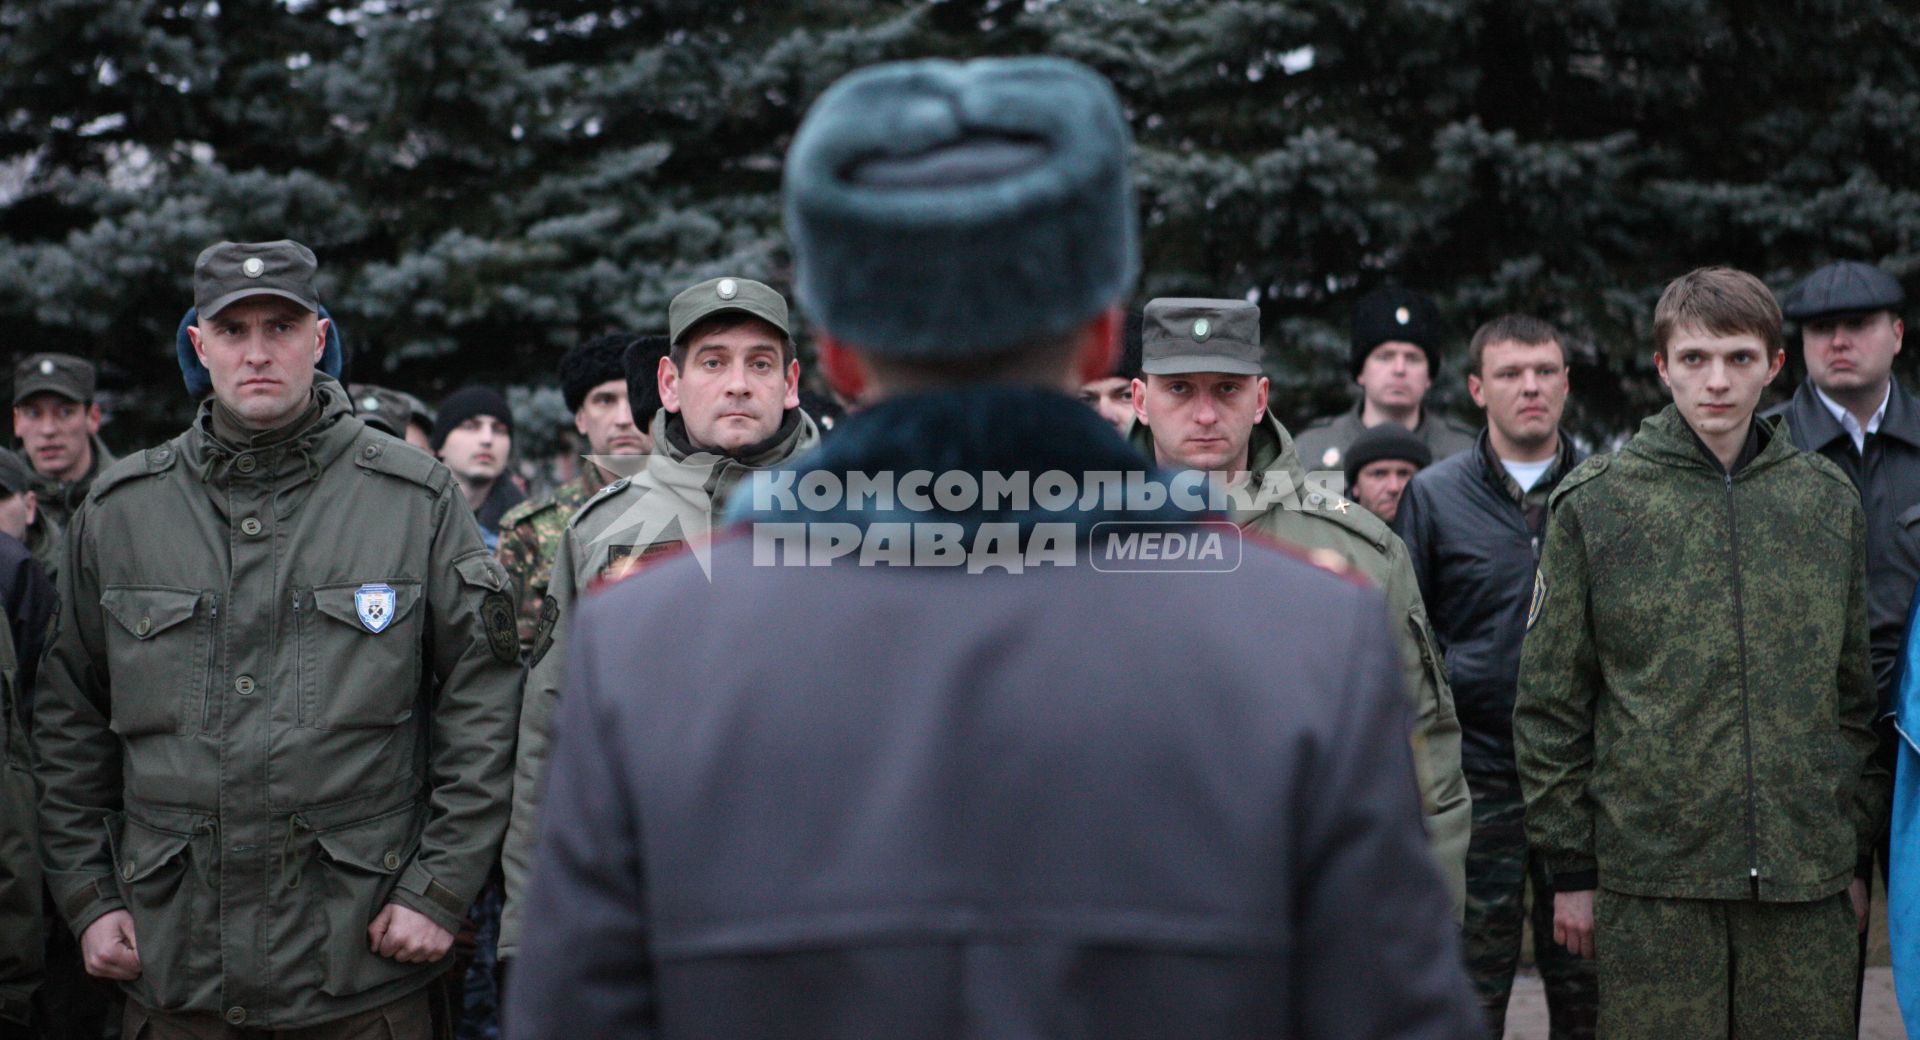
x=369 y=403
x=1202 y=328
x=46 y=368
x=727 y=289
x=253 y=267
x=1402 y=316
x=1332 y=456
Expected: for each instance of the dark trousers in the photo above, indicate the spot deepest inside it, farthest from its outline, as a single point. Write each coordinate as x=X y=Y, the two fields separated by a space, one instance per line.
x=1498 y=868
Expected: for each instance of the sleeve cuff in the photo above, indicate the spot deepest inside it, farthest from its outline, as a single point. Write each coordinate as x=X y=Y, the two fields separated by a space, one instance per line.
x=420 y=892
x=1576 y=881
x=89 y=901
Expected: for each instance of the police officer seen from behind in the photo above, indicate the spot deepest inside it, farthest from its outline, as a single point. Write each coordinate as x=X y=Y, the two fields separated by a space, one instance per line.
x=730 y=387
x=57 y=422
x=1379 y=465
x=1693 y=727
x=1202 y=405
x=1473 y=525
x=910 y=802
x=275 y=729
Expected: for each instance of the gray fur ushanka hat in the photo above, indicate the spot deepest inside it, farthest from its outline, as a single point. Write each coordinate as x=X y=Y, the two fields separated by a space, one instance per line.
x=942 y=211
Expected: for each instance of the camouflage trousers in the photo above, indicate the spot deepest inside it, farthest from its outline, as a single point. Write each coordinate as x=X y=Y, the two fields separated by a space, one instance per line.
x=1498 y=869
x=1725 y=968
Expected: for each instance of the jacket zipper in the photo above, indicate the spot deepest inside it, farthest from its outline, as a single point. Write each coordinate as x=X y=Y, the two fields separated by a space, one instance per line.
x=1746 y=706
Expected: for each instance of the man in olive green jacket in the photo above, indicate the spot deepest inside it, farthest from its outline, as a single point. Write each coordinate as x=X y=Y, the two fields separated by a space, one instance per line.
x=1692 y=727
x=730 y=394
x=275 y=731
x=1202 y=406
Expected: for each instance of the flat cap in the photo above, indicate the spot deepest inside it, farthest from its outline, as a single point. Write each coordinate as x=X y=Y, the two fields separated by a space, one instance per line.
x=389 y=410
x=1387 y=440
x=14 y=475
x=1193 y=335
x=63 y=374
x=944 y=211
x=1392 y=314
x=1848 y=286
x=228 y=272
x=723 y=295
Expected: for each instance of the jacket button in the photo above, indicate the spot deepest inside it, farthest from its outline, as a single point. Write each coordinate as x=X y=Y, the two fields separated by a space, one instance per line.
x=145 y=626
x=243 y=686
x=373 y=451
x=236 y=1015
x=250 y=526
x=127 y=871
x=244 y=464
x=392 y=860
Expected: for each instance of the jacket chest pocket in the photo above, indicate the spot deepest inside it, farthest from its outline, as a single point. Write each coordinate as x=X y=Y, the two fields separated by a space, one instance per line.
x=159 y=651
x=359 y=653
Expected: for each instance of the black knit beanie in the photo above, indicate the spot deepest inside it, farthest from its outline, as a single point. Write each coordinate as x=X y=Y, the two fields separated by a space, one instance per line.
x=464 y=404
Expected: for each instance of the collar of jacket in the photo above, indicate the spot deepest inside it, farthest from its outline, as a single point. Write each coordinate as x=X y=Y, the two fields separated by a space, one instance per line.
x=307 y=452
x=1815 y=427
x=1010 y=430
x=702 y=476
x=1666 y=439
x=1495 y=473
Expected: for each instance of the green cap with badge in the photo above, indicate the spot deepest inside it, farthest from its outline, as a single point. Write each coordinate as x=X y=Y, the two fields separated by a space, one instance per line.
x=63 y=374
x=229 y=272
x=724 y=295
x=1182 y=335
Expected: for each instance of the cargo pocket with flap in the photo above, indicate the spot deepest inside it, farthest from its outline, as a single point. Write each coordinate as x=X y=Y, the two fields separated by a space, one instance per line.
x=359 y=659
x=175 y=917
x=159 y=648
x=361 y=864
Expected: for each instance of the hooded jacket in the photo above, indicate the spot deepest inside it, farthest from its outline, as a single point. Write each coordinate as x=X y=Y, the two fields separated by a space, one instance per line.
x=1693 y=716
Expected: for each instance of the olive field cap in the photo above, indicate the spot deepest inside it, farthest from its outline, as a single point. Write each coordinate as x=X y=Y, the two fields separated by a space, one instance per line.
x=62 y=374
x=14 y=475
x=1847 y=287
x=1183 y=335
x=229 y=272
x=941 y=210
x=723 y=295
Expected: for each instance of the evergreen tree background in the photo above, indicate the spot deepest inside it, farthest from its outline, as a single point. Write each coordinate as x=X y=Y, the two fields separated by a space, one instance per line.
x=488 y=181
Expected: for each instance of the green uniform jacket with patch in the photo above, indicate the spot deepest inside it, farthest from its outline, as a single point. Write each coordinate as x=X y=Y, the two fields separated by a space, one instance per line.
x=283 y=694
x=22 y=914
x=1695 y=692
x=1314 y=519
x=680 y=495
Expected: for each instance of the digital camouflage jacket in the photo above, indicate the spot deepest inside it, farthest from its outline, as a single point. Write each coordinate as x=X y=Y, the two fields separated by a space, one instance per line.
x=1695 y=695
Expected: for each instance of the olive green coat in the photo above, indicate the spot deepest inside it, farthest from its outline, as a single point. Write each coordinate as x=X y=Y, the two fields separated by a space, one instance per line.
x=22 y=916
x=1695 y=691
x=250 y=750
x=1318 y=520
x=677 y=497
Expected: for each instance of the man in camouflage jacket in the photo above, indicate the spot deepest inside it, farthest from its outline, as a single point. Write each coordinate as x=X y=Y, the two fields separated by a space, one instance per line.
x=1692 y=726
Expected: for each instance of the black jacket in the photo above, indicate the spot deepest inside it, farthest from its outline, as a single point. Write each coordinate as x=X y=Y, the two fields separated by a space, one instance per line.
x=1889 y=481
x=1474 y=553
x=910 y=803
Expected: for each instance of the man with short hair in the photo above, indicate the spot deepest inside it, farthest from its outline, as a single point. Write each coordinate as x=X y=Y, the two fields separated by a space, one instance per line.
x=274 y=739
x=1473 y=524
x=1693 y=728
x=1201 y=405
x=729 y=387
x=593 y=383
x=57 y=422
x=758 y=832
x=1112 y=395
x=1396 y=338
x=1379 y=465
x=473 y=436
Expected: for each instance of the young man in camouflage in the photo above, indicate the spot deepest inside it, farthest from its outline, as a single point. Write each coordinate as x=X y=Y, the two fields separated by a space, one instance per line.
x=1202 y=405
x=593 y=383
x=730 y=393
x=1692 y=727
